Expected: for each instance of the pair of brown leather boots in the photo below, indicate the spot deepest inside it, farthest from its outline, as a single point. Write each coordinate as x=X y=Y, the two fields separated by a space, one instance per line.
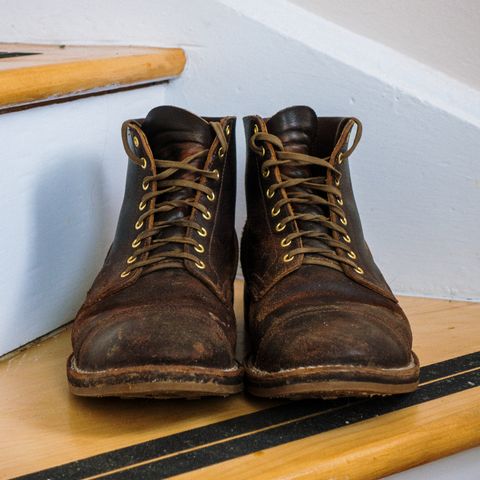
x=159 y=320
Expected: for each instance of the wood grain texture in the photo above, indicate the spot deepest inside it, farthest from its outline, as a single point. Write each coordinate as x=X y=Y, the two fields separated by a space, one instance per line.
x=47 y=426
x=61 y=71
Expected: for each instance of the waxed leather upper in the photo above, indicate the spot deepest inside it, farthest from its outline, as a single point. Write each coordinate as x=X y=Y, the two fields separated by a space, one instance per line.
x=177 y=313
x=299 y=314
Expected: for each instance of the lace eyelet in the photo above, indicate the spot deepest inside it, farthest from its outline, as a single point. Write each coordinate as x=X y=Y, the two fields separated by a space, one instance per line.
x=337 y=182
x=139 y=225
x=211 y=197
x=340 y=158
x=275 y=211
x=136 y=243
x=131 y=259
x=343 y=221
x=270 y=193
x=352 y=255
x=339 y=201
x=347 y=238
x=144 y=163
x=202 y=232
x=136 y=142
x=141 y=206
x=217 y=174
x=221 y=152
x=285 y=243
x=287 y=258
x=199 y=248
x=264 y=152
x=124 y=274
x=145 y=185
x=200 y=265
x=207 y=215
x=279 y=227
x=255 y=128
x=266 y=173
x=227 y=130
x=359 y=270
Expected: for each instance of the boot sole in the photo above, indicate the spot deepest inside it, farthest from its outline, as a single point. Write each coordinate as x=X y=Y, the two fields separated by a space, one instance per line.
x=154 y=381
x=332 y=381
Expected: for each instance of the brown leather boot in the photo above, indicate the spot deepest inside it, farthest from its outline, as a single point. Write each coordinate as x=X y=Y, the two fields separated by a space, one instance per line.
x=158 y=320
x=322 y=320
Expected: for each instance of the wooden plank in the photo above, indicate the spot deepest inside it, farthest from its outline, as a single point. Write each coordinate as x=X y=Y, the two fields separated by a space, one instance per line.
x=48 y=427
x=42 y=72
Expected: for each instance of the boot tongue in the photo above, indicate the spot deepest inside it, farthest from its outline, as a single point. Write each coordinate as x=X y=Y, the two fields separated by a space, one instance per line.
x=174 y=134
x=297 y=129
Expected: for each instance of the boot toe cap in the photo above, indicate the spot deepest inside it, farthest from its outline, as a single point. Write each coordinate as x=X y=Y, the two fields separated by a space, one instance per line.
x=142 y=337
x=348 y=334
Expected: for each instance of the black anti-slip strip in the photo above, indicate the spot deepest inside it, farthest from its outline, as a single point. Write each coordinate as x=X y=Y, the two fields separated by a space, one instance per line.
x=17 y=54
x=327 y=415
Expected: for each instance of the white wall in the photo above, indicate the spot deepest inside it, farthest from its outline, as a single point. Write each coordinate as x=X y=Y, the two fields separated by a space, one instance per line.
x=416 y=173
x=62 y=181
x=444 y=34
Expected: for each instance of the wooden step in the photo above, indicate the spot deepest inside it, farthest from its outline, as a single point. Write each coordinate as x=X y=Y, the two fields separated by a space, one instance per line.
x=35 y=73
x=241 y=437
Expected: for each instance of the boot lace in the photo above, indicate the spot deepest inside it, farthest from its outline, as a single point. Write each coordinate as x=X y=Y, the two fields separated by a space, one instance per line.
x=312 y=190
x=167 y=182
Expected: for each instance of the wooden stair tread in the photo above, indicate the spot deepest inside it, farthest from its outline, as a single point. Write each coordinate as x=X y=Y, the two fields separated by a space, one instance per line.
x=33 y=73
x=48 y=427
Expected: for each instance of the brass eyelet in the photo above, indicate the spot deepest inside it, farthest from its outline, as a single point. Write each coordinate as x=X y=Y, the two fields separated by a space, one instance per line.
x=136 y=142
x=211 y=197
x=285 y=243
x=275 y=211
x=144 y=163
x=339 y=201
x=255 y=128
x=343 y=221
x=199 y=248
x=359 y=270
x=200 y=265
x=287 y=258
x=340 y=158
x=131 y=259
x=270 y=193
x=202 y=232
x=124 y=274
x=337 y=182
x=221 y=152
x=136 y=243
x=279 y=227
x=217 y=174
x=207 y=215
x=145 y=185
x=347 y=238
x=141 y=206
x=352 y=254
x=227 y=130
x=264 y=152
x=139 y=225
x=266 y=172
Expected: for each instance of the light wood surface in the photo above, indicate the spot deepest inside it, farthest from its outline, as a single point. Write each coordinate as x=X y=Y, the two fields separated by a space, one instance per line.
x=42 y=425
x=59 y=71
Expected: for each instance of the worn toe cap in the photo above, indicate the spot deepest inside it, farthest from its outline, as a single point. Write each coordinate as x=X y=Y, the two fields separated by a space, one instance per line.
x=340 y=334
x=142 y=336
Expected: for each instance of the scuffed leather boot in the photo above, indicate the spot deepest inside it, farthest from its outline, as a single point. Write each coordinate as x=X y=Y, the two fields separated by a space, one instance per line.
x=158 y=320
x=322 y=320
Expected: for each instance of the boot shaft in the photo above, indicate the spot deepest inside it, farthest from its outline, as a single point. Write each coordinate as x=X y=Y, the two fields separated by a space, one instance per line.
x=180 y=185
x=279 y=210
